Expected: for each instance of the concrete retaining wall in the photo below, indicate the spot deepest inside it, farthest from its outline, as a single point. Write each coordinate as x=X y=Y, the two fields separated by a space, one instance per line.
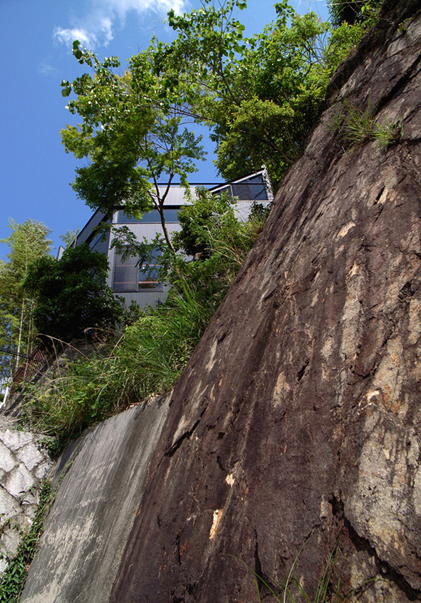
x=89 y=524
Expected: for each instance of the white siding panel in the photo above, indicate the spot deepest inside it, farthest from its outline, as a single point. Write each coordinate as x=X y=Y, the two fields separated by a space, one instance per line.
x=144 y=298
x=242 y=210
x=176 y=195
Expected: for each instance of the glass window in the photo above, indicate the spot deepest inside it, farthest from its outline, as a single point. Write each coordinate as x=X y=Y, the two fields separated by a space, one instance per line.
x=152 y=217
x=148 y=274
x=252 y=189
x=125 y=274
x=129 y=276
x=95 y=240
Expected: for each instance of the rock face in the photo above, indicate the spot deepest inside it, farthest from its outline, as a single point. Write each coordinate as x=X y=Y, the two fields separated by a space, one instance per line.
x=298 y=419
x=297 y=423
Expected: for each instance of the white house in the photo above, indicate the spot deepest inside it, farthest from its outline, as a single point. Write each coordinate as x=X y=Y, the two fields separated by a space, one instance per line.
x=137 y=283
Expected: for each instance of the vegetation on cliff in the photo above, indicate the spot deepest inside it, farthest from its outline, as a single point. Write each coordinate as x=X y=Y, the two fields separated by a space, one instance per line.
x=260 y=97
x=148 y=356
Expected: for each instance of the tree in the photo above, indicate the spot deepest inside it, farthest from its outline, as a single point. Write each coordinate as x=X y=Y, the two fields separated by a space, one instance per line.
x=353 y=11
x=27 y=243
x=131 y=135
x=259 y=95
x=71 y=294
x=69 y=237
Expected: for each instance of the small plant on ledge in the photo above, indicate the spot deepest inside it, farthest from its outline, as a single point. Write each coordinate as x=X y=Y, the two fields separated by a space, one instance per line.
x=360 y=127
x=292 y=591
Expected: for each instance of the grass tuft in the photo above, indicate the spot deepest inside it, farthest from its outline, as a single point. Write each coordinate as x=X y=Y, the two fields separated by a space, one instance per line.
x=292 y=591
x=360 y=127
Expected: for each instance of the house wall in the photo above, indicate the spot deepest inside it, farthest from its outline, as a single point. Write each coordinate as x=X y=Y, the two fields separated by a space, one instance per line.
x=86 y=231
x=146 y=231
x=249 y=186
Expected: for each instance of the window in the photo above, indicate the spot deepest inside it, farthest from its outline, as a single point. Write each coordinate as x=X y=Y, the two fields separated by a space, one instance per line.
x=152 y=217
x=148 y=274
x=95 y=240
x=130 y=277
x=249 y=189
x=125 y=274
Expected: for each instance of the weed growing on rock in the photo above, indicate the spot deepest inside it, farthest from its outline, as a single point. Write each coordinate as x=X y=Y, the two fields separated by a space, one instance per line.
x=403 y=27
x=360 y=127
x=14 y=577
x=292 y=591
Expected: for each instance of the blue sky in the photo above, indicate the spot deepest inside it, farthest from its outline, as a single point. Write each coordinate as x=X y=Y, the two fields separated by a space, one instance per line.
x=35 y=47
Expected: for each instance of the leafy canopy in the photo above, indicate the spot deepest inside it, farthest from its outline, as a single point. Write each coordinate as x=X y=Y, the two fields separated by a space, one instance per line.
x=260 y=95
x=132 y=134
x=71 y=294
x=354 y=11
x=69 y=237
x=27 y=243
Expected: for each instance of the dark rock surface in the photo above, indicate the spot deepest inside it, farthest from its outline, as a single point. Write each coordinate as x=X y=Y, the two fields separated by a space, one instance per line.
x=298 y=418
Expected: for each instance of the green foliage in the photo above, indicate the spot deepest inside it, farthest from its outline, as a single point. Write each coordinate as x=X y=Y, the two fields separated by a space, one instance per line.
x=218 y=242
x=360 y=127
x=153 y=350
x=260 y=95
x=203 y=219
x=131 y=132
x=354 y=11
x=71 y=294
x=27 y=243
x=147 y=360
x=13 y=580
x=403 y=27
x=69 y=237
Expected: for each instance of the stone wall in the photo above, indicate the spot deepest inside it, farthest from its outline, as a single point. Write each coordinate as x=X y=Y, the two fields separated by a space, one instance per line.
x=23 y=466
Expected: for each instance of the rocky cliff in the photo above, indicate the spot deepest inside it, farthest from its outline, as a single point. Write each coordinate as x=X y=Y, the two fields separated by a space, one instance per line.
x=296 y=427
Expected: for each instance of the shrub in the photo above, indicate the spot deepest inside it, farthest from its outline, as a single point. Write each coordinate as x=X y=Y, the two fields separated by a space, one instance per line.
x=152 y=352
x=71 y=294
